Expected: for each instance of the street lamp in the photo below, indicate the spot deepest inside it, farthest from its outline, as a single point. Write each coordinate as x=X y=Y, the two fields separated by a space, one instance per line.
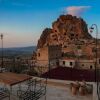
x=94 y=26
x=2 y=50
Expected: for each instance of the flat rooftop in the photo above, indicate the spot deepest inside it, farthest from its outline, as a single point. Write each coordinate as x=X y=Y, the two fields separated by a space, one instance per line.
x=71 y=74
x=59 y=91
x=10 y=79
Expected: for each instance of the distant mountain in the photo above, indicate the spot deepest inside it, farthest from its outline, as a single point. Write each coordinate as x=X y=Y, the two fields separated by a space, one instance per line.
x=16 y=51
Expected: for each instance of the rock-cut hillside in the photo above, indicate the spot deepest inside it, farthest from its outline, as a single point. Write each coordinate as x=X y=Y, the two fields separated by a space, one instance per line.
x=66 y=29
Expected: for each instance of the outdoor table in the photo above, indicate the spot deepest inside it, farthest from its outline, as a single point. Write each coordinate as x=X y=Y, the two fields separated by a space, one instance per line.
x=11 y=79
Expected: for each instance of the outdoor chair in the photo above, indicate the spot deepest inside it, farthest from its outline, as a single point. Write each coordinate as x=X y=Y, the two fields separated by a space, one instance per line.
x=33 y=95
x=33 y=92
x=39 y=93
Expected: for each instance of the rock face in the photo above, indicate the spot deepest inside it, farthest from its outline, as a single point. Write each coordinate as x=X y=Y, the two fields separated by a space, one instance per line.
x=66 y=29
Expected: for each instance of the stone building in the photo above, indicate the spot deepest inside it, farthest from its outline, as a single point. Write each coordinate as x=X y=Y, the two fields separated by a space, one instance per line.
x=49 y=55
x=86 y=64
x=79 y=63
x=67 y=62
x=71 y=33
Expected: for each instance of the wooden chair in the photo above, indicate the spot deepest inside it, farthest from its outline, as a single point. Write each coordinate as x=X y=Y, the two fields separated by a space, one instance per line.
x=32 y=94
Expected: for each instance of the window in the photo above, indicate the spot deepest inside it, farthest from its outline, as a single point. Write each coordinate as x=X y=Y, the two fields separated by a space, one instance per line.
x=64 y=33
x=82 y=64
x=72 y=35
x=55 y=39
x=38 y=54
x=61 y=45
x=99 y=61
x=91 y=67
x=65 y=46
x=62 y=54
x=55 y=30
x=57 y=63
x=71 y=63
x=63 y=62
x=76 y=35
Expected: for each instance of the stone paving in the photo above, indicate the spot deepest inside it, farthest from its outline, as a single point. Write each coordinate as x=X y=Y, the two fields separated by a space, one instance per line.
x=59 y=93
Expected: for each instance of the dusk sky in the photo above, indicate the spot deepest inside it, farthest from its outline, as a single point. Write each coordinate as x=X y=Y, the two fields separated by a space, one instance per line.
x=22 y=21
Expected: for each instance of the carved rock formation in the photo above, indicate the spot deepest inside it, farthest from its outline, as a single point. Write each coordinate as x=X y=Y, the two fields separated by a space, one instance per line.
x=66 y=29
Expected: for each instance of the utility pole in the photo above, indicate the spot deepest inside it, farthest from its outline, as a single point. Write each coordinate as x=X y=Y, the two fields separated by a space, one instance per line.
x=94 y=26
x=2 y=64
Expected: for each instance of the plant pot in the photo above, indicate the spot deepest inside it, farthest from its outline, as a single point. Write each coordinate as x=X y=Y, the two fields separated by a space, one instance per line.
x=82 y=90
x=70 y=87
x=74 y=89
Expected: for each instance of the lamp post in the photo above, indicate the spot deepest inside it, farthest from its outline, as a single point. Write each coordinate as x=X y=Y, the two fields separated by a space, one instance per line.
x=2 y=51
x=94 y=26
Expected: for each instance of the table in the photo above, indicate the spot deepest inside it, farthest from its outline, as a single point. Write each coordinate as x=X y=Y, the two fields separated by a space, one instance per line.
x=11 y=79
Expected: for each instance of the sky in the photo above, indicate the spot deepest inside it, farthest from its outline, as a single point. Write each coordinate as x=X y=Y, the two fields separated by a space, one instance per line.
x=22 y=21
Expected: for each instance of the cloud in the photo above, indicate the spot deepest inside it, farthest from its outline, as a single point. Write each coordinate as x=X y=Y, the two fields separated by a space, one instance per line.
x=77 y=10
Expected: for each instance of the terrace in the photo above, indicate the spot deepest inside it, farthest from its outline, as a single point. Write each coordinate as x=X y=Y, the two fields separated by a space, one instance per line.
x=20 y=87
x=57 y=87
x=56 y=90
